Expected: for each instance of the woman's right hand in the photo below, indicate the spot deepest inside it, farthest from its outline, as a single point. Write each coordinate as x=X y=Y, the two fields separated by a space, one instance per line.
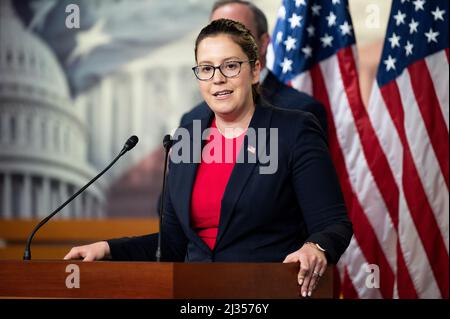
x=96 y=251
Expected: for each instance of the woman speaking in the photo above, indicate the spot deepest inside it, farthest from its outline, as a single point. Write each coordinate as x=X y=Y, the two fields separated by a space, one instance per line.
x=225 y=204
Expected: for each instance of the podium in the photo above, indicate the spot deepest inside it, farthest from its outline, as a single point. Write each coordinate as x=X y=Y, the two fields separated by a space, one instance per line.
x=129 y=280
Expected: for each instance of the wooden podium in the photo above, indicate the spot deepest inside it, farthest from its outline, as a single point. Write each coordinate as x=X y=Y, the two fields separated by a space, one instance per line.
x=128 y=280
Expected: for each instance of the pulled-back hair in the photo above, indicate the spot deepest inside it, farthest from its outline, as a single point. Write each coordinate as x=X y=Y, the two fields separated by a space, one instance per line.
x=240 y=35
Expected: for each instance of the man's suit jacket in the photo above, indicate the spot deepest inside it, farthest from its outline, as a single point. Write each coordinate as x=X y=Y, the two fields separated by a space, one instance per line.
x=277 y=94
x=264 y=217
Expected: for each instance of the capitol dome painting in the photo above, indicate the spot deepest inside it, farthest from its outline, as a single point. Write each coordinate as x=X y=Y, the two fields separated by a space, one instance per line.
x=43 y=140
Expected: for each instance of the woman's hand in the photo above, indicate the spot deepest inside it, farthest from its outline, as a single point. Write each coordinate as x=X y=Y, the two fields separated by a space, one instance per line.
x=313 y=264
x=95 y=251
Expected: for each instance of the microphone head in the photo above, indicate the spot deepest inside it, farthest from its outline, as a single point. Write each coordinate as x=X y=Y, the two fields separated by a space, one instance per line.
x=131 y=142
x=167 y=141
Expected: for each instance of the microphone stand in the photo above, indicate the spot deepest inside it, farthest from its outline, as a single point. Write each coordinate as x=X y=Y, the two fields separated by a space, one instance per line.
x=128 y=146
x=167 y=143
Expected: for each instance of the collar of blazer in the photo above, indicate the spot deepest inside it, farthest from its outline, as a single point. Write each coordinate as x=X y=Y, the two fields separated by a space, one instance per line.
x=184 y=176
x=270 y=86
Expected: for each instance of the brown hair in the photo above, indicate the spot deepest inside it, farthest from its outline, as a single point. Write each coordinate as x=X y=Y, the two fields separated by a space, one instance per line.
x=240 y=35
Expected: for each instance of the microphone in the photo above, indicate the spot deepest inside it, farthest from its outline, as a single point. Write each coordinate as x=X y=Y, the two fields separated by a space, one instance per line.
x=129 y=144
x=167 y=143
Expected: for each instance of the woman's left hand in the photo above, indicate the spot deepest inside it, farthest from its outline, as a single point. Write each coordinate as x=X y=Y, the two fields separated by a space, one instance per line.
x=313 y=264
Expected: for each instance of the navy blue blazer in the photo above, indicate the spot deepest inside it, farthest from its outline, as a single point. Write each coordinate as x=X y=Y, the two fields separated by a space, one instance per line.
x=277 y=94
x=264 y=217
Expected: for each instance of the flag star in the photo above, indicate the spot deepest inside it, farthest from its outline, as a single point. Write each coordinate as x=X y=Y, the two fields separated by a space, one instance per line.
x=87 y=41
x=331 y=19
x=282 y=13
x=408 y=48
x=290 y=43
x=390 y=63
x=413 y=26
x=298 y=3
x=316 y=9
x=294 y=20
x=403 y=1
x=336 y=1
x=438 y=14
x=395 y=40
x=286 y=65
x=431 y=35
x=311 y=30
x=307 y=51
x=399 y=18
x=346 y=28
x=279 y=37
x=418 y=5
x=326 y=40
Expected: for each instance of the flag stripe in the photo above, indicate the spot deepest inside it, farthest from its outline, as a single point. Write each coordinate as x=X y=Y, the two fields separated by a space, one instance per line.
x=364 y=232
x=420 y=209
x=415 y=255
x=379 y=166
x=367 y=278
x=432 y=116
x=364 y=187
x=439 y=69
x=347 y=285
x=417 y=262
x=423 y=157
x=386 y=132
x=406 y=287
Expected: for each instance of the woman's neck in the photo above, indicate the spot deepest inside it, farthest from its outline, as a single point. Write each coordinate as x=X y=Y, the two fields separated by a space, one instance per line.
x=234 y=125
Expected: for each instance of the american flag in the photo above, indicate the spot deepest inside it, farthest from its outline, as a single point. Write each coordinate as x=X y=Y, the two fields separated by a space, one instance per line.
x=392 y=158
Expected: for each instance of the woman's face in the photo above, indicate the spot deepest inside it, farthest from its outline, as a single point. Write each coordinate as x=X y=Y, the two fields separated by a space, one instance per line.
x=227 y=97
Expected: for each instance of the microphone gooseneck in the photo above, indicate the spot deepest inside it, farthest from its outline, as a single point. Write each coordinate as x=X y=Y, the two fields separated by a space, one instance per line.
x=167 y=143
x=130 y=143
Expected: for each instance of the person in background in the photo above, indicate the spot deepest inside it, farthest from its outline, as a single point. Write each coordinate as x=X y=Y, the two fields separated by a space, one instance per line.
x=231 y=211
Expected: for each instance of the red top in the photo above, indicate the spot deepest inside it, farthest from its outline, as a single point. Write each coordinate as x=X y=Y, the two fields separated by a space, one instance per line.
x=218 y=159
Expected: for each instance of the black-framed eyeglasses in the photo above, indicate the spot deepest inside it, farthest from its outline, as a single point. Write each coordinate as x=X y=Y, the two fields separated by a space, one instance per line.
x=229 y=69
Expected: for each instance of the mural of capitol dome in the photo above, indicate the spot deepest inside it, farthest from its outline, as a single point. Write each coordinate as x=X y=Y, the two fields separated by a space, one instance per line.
x=43 y=140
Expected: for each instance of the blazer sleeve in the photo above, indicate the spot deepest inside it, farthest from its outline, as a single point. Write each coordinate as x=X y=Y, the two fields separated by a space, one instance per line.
x=143 y=248
x=318 y=191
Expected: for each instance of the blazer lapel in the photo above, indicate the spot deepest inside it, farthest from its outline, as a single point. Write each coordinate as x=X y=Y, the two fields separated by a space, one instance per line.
x=242 y=171
x=269 y=87
x=188 y=178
